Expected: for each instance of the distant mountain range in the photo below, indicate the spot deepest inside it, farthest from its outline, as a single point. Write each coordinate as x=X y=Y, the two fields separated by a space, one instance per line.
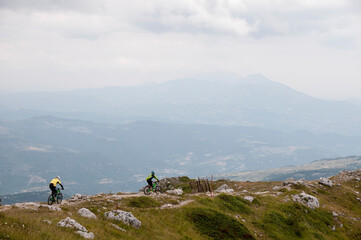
x=109 y=139
x=310 y=171
x=95 y=157
x=225 y=99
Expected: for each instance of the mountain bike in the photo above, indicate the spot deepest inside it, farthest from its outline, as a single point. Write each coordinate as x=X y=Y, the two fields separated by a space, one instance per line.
x=58 y=197
x=156 y=188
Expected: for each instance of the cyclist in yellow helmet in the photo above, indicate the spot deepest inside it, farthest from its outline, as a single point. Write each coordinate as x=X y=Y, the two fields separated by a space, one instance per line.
x=150 y=178
x=53 y=184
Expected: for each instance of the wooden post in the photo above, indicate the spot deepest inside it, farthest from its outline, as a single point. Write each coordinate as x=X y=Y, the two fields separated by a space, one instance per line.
x=208 y=186
x=198 y=187
x=211 y=186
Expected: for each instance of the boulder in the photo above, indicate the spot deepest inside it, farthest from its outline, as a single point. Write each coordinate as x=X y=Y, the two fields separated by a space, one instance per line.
x=249 y=198
x=125 y=217
x=306 y=200
x=84 y=212
x=224 y=189
x=86 y=235
x=177 y=191
x=325 y=181
x=68 y=222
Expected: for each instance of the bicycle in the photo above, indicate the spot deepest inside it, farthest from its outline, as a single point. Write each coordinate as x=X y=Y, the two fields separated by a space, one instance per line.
x=156 y=188
x=58 y=197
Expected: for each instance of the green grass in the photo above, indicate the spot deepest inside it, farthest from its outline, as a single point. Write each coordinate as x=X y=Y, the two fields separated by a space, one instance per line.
x=221 y=217
x=293 y=221
x=227 y=203
x=142 y=202
x=216 y=224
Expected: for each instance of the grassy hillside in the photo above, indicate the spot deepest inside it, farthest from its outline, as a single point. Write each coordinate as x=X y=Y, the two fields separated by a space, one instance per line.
x=271 y=215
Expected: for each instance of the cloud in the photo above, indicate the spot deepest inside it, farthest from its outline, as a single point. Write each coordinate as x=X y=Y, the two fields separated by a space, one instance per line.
x=257 y=18
x=62 y=44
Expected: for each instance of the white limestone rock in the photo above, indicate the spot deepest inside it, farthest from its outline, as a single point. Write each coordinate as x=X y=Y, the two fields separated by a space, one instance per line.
x=46 y=221
x=224 y=189
x=325 y=181
x=306 y=200
x=125 y=217
x=292 y=181
x=167 y=205
x=86 y=235
x=68 y=222
x=84 y=212
x=117 y=227
x=52 y=208
x=177 y=191
x=249 y=198
x=78 y=197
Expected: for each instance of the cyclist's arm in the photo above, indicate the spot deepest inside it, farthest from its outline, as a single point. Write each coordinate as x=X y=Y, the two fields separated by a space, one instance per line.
x=156 y=177
x=61 y=186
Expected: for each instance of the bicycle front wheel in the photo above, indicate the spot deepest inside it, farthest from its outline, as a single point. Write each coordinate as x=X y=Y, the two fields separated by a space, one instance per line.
x=59 y=198
x=50 y=200
x=147 y=190
x=158 y=190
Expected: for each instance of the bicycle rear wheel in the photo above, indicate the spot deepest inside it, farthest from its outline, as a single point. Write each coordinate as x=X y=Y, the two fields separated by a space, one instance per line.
x=59 y=198
x=147 y=190
x=50 y=200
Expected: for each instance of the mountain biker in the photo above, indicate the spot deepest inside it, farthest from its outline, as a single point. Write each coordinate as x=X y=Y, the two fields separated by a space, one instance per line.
x=150 y=178
x=53 y=184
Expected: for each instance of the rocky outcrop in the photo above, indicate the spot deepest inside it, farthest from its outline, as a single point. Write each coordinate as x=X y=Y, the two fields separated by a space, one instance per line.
x=71 y=223
x=325 y=181
x=348 y=175
x=125 y=217
x=177 y=191
x=78 y=197
x=224 y=189
x=84 y=212
x=35 y=206
x=306 y=200
x=292 y=181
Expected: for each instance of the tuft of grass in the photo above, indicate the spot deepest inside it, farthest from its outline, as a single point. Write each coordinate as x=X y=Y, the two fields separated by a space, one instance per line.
x=233 y=204
x=227 y=203
x=142 y=202
x=217 y=225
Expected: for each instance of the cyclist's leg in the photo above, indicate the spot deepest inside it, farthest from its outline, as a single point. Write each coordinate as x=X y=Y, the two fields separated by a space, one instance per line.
x=149 y=181
x=53 y=189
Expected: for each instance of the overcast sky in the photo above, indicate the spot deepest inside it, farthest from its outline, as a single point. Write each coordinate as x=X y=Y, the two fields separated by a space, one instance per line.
x=313 y=46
